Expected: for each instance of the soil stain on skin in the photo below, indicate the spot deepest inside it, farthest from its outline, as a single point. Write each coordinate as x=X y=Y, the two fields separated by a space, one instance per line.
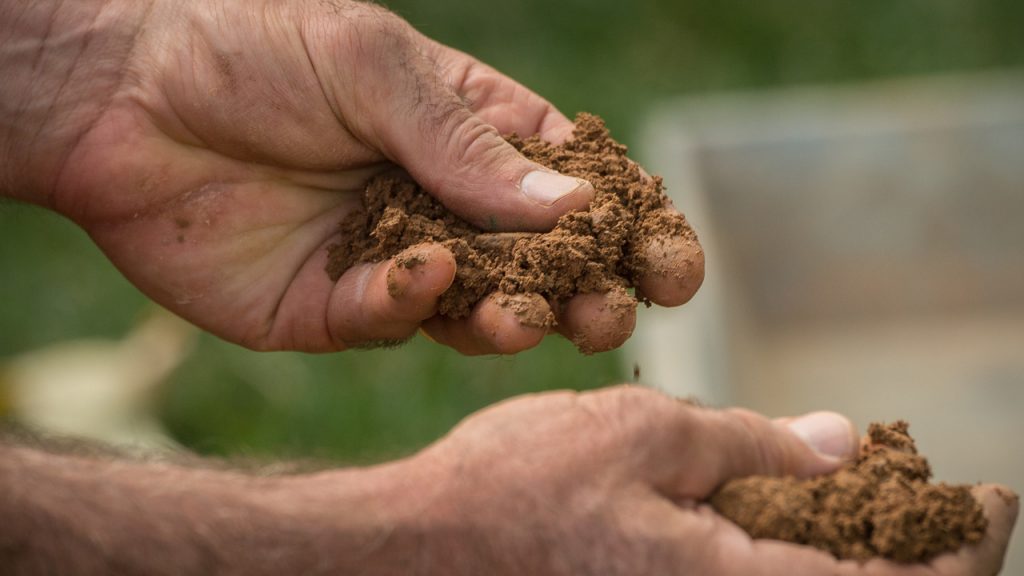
x=881 y=504
x=605 y=248
x=529 y=309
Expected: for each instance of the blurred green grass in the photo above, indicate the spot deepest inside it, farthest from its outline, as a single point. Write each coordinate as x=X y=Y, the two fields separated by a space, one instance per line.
x=617 y=58
x=608 y=57
x=356 y=406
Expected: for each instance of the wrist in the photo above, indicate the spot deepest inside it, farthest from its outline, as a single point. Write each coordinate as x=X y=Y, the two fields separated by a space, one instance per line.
x=372 y=521
x=62 y=63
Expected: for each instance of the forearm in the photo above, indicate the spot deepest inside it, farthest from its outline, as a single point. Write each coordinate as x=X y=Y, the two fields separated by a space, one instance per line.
x=73 y=515
x=60 y=64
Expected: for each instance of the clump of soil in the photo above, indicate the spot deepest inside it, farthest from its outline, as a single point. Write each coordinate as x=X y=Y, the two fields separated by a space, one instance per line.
x=605 y=248
x=879 y=505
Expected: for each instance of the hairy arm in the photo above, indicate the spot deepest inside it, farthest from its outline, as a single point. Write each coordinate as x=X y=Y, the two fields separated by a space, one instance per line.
x=558 y=484
x=68 y=514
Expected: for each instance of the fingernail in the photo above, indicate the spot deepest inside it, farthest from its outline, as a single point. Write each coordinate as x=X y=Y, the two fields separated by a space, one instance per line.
x=827 y=433
x=397 y=280
x=399 y=277
x=546 y=188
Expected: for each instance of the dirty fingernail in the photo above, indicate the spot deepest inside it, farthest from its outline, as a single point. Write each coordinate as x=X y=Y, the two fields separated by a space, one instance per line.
x=827 y=433
x=420 y=270
x=399 y=277
x=546 y=188
x=397 y=281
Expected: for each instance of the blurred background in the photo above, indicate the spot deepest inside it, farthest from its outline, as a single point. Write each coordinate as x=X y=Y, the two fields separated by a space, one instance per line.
x=856 y=170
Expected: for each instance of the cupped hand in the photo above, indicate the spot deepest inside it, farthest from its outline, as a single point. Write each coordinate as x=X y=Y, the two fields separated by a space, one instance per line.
x=612 y=482
x=236 y=136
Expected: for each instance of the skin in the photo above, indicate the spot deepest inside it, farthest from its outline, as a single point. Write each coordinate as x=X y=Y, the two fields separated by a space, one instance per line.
x=210 y=148
x=563 y=483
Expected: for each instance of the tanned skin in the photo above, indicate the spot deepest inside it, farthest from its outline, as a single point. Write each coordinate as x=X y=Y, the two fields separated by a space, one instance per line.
x=210 y=148
x=608 y=482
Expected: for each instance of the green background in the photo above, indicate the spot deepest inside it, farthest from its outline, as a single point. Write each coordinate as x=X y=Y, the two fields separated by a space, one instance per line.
x=610 y=57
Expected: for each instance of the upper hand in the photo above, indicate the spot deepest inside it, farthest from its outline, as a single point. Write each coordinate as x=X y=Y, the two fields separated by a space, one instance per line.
x=236 y=135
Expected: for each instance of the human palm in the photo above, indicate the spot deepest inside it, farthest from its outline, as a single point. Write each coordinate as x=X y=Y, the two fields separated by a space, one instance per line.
x=615 y=482
x=241 y=134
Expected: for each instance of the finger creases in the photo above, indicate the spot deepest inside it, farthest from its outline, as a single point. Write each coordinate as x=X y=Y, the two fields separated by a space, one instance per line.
x=384 y=303
x=464 y=162
x=627 y=236
x=722 y=445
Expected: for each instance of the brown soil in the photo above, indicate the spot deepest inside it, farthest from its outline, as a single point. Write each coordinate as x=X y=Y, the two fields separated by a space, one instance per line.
x=879 y=505
x=602 y=249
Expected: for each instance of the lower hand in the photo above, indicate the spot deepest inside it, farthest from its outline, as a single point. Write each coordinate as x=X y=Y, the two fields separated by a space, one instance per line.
x=611 y=482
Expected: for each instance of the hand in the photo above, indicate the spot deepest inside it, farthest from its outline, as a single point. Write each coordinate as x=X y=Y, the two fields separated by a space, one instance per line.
x=611 y=482
x=213 y=147
x=608 y=482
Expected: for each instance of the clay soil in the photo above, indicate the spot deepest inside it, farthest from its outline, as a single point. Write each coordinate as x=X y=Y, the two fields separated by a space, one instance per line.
x=882 y=504
x=601 y=249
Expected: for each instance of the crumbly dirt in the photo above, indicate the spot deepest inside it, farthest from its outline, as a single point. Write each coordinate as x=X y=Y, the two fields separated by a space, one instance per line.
x=527 y=309
x=879 y=505
x=596 y=250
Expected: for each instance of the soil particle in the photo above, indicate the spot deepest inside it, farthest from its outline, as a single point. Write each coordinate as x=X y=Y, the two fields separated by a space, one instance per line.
x=602 y=249
x=881 y=504
x=530 y=309
x=410 y=259
x=407 y=260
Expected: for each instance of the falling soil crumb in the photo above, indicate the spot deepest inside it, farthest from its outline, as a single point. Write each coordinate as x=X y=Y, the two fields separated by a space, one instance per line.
x=609 y=246
x=879 y=505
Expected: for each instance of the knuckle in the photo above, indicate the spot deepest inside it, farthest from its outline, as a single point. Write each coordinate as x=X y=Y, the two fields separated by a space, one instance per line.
x=372 y=41
x=766 y=454
x=471 y=140
x=537 y=404
x=639 y=414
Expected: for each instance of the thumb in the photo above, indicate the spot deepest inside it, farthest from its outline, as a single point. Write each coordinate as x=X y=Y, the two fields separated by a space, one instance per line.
x=465 y=163
x=734 y=443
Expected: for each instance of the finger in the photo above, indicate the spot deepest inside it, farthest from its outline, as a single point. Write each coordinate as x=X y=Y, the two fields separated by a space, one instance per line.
x=674 y=267
x=527 y=117
x=503 y=102
x=384 y=303
x=598 y=322
x=982 y=559
x=697 y=540
x=722 y=445
x=720 y=547
x=463 y=161
x=499 y=324
x=985 y=558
